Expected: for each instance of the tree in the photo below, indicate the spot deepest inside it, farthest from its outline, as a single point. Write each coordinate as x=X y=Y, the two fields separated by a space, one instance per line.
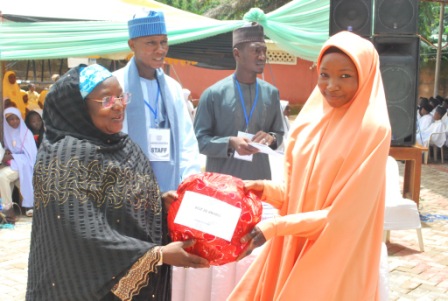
x=225 y=9
x=428 y=28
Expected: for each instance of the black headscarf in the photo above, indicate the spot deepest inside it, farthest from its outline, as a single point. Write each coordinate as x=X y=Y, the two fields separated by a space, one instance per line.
x=97 y=206
x=40 y=133
x=65 y=113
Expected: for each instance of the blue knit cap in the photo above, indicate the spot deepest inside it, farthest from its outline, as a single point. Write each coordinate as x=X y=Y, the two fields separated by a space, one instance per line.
x=150 y=25
x=90 y=77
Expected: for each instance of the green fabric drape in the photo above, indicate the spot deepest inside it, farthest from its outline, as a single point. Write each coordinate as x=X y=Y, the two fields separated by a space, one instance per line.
x=299 y=27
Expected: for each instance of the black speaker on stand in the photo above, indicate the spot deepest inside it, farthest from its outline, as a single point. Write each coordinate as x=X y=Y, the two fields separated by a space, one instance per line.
x=396 y=17
x=352 y=15
x=399 y=64
x=398 y=45
x=395 y=38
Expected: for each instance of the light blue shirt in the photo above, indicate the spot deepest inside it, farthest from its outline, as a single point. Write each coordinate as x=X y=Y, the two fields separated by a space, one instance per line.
x=184 y=154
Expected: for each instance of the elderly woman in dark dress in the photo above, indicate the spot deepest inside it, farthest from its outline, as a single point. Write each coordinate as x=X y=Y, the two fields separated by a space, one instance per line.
x=99 y=227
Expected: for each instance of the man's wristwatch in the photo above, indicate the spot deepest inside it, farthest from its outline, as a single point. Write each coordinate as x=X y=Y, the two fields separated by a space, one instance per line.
x=273 y=144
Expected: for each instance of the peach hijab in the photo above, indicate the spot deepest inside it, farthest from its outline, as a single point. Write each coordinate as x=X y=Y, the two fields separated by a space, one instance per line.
x=13 y=92
x=326 y=243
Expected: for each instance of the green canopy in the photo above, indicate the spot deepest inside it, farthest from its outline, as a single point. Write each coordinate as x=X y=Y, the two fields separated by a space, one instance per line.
x=299 y=27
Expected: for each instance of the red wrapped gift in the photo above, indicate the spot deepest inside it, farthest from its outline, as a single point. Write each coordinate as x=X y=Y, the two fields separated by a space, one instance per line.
x=216 y=203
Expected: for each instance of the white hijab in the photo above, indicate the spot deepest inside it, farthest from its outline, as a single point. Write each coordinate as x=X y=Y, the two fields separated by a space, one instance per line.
x=21 y=143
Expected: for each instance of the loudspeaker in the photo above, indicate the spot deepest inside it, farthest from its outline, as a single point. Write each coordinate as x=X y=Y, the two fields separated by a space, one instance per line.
x=396 y=17
x=399 y=64
x=352 y=15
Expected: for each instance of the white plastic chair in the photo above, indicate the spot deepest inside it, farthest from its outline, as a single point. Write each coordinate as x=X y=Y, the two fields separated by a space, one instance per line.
x=400 y=213
x=440 y=137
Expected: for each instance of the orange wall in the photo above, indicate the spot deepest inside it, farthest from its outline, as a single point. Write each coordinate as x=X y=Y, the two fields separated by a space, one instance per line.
x=295 y=82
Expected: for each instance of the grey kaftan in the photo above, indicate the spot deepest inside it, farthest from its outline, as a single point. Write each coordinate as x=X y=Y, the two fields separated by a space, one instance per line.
x=220 y=115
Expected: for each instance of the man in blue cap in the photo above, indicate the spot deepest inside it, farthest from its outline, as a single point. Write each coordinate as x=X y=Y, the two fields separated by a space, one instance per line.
x=157 y=118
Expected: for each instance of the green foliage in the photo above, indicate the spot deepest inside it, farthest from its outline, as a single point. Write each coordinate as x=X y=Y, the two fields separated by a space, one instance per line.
x=428 y=28
x=225 y=9
x=428 y=18
x=194 y=6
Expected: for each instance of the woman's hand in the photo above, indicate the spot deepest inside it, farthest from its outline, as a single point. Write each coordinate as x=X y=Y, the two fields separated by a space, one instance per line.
x=168 y=198
x=175 y=254
x=255 y=239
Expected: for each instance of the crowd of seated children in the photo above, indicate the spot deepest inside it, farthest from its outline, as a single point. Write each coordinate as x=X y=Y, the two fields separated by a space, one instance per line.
x=424 y=117
x=432 y=117
x=437 y=126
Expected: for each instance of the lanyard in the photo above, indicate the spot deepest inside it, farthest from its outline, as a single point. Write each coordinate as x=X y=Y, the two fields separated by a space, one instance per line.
x=155 y=111
x=242 y=101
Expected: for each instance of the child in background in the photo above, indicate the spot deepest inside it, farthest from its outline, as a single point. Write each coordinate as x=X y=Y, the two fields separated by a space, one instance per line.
x=34 y=122
x=8 y=103
x=437 y=126
x=19 y=159
x=425 y=120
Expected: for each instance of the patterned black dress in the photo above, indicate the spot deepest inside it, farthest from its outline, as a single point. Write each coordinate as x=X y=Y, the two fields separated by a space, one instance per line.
x=97 y=207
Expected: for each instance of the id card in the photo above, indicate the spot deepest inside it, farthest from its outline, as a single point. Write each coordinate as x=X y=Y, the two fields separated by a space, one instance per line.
x=159 y=144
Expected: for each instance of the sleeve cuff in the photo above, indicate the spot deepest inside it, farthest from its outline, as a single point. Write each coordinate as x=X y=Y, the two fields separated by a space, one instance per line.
x=268 y=228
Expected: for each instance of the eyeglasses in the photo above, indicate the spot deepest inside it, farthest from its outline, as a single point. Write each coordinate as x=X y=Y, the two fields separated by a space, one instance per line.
x=109 y=101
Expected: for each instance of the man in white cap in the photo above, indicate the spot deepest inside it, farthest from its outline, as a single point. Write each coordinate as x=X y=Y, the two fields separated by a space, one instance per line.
x=238 y=110
x=157 y=118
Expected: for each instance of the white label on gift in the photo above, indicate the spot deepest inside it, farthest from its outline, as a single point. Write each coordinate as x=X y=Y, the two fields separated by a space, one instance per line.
x=208 y=214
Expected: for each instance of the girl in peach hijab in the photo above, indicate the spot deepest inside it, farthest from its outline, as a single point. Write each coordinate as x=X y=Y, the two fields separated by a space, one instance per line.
x=326 y=243
x=11 y=90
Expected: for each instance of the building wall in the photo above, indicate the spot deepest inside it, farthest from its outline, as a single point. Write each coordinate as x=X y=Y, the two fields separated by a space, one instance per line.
x=295 y=82
x=427 y=79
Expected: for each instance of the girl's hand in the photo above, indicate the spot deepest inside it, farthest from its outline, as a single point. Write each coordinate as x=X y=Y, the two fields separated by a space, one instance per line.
x=255 y=239
x=256 y=187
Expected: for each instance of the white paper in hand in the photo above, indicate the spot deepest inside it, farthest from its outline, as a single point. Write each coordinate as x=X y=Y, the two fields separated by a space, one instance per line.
x=246 y=157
